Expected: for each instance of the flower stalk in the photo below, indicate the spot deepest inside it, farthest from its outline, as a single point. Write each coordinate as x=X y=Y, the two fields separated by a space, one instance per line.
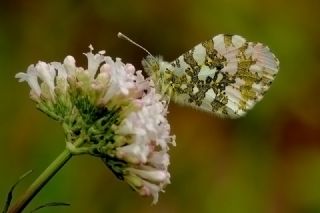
x=42 y=180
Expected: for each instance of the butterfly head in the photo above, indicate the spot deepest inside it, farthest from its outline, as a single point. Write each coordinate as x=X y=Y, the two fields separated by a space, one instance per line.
x=159 y=70
x=161 y=73
x=151 y=64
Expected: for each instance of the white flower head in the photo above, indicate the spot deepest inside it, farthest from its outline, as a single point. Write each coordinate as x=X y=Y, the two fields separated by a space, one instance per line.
x=147 y=131
x=115 y=109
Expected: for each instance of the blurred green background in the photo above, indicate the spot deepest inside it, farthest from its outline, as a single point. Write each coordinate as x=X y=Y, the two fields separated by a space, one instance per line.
x=268 y=161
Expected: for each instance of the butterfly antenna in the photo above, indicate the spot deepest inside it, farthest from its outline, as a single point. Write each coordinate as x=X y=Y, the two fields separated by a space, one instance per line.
x=120 y=35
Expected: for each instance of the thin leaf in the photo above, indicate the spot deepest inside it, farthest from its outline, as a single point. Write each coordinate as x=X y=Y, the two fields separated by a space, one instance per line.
x=10 y=193
x=52 y=204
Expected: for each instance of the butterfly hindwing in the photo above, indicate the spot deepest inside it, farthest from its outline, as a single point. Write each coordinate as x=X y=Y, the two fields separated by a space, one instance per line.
x=225 y=75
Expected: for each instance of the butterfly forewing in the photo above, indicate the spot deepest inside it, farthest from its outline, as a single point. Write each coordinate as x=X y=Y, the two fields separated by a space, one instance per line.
x=225 y=75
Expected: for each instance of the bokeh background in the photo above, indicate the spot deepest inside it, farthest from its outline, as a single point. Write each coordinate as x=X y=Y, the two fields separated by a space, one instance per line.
x=268 y=161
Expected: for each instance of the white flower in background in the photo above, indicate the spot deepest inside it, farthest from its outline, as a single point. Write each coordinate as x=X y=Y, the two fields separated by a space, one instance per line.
x=114 y=109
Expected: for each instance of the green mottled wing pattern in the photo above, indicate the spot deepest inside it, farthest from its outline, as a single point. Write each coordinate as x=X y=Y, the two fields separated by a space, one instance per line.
x=225 y=75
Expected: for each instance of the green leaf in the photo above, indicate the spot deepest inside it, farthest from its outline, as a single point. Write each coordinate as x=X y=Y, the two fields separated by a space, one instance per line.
x=10 y=193
x=51 y=204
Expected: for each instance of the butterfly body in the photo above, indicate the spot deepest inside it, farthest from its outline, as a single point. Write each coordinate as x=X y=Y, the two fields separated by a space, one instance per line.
x=225 y=75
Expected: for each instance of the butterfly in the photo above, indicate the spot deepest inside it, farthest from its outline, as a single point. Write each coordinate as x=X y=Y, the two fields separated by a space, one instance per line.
x=225 y=75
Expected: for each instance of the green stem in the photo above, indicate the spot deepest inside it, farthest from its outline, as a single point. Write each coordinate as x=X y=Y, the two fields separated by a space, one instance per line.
x=42 y=180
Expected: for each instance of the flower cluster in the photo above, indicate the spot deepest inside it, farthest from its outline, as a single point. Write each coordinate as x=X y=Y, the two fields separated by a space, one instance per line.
x=108 y=110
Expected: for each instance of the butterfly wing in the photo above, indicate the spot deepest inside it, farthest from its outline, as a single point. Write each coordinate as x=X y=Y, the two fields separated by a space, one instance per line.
x=225 y=75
